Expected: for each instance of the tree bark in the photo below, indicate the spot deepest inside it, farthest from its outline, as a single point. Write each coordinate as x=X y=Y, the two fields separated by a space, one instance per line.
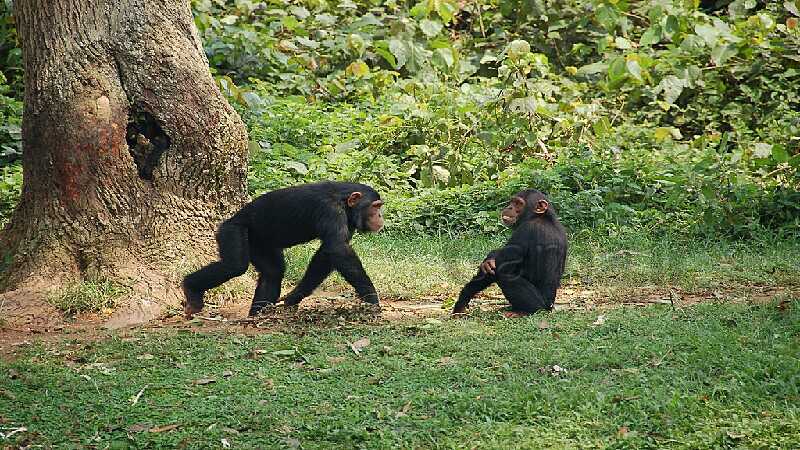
x=131 y=154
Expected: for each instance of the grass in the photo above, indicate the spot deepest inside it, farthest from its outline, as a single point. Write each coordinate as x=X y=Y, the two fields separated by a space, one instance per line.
x=710 y=376
x=87 y=296
x=405 y=266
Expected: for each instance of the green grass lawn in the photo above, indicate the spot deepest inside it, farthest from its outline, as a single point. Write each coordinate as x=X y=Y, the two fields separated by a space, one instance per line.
x=717 y=375
x=420 y=265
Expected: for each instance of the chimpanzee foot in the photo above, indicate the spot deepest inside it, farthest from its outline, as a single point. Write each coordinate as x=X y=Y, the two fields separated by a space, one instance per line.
x=459 y=310
x=292 y=300
x=193 y=302
x=372 y=299
x=259 y=306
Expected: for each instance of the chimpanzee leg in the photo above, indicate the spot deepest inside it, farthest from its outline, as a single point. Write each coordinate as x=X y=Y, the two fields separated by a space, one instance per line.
x=318 y=269
x=234 y=257
x=271 y=267
x=478 y=283
x=522 y=294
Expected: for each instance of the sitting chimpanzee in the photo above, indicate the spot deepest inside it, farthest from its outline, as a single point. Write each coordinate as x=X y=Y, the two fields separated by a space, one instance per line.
x=258 y=233
x=529 y=268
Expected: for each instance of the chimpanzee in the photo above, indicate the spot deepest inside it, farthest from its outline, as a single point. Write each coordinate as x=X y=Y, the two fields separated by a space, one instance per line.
x=529 y=268
x=258 y=233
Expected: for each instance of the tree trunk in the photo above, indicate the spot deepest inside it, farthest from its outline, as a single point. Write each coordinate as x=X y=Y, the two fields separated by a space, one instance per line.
x=131 y=154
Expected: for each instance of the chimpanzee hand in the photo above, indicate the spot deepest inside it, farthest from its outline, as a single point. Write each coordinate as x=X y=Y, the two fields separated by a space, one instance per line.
x=488 y=266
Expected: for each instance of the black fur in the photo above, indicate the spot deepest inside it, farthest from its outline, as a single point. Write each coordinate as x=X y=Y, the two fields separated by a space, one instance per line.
x=260 y=231
x=529 y=267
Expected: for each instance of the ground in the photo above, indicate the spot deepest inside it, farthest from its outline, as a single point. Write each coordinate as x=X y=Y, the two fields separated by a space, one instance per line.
x=649 y=346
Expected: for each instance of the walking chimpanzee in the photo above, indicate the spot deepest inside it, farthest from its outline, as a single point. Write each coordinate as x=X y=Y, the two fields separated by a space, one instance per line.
x=258 y=233
x=529 y=268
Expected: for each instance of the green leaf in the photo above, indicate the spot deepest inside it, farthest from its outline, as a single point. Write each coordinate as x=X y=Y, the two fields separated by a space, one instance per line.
x=634 y=69
x=400 y=51
x=722 y=53
x=300 y=168
x=446 y=9
x=672 y=87
x=387 y=55
x=791 y=6
x=622 y=43
x=709 y=34
x=762 y=150
x=430 y=28
x=617 y=70
x=284 y=353
x=607 y=16
x=299 y=12
x=592 y=69
x=517 y=49
x=526 y=105
x=779 y=154
x=443 y=57
x=671 y=25
x=357 y=68
x=229 y=20
x=307 y=42
x=651 y=36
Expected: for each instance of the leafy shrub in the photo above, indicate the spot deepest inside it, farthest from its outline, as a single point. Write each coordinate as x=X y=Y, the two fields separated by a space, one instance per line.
x=10 y=188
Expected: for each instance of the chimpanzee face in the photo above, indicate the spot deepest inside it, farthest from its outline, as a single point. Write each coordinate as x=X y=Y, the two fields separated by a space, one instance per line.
x=374 y=216
x=535 y=203
x=369 y=215
x=510 y=214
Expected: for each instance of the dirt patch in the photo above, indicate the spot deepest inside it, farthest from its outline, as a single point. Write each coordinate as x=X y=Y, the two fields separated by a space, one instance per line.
x=27 y=319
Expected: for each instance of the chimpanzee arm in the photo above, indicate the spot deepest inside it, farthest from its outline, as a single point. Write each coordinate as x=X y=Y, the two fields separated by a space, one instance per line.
x=335 y=235
x=318 y=269
x=478 y=283
x=346 y=262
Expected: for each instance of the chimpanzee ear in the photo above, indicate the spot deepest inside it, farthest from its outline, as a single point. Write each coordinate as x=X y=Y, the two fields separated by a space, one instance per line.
x=353 y=198
x=541 y=206
x=377 y=203
x=518 y=202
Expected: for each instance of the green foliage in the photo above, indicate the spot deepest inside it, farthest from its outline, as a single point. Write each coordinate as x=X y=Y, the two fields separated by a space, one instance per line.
x=632 y=114
x=10 y=188
x=652 y=115
x=87 y=296
x=711 y=376
x=10 y=53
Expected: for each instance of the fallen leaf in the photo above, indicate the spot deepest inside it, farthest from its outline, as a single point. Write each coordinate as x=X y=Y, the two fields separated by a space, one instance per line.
x=333 y=360
x=13 y=374
x=146 y=356
x=284 y=353
x=138 y=427
x=543 y=325
x=164 y=428
x=292 y=443
x=225 y=443
x=734 y=435
x=8 y=394
x=203 y=381
x=404 y=410
x=359 y=345
x=227 y=373
x=386 y=350
x=446 y=360
x=601 y=319
x=623 y=431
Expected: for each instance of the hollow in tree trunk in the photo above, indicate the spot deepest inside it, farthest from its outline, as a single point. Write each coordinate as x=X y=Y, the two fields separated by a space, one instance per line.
x=131 y=154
